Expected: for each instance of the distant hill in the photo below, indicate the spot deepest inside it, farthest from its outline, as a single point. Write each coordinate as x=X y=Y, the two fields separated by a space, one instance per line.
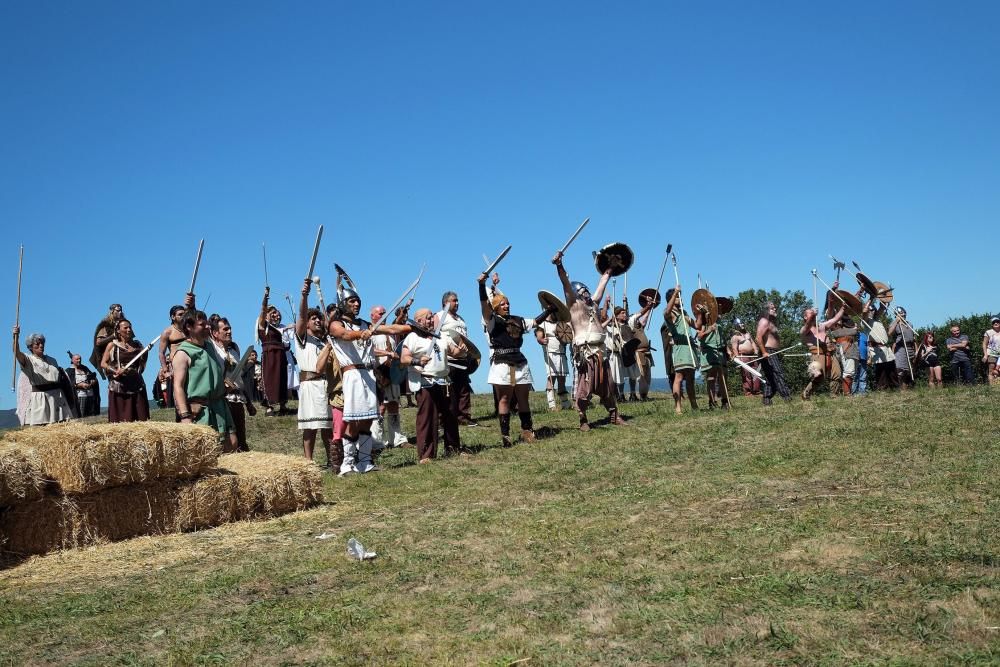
x=8 y=419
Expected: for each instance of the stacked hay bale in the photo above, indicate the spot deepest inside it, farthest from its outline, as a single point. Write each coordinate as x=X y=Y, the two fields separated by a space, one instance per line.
x=72 y=485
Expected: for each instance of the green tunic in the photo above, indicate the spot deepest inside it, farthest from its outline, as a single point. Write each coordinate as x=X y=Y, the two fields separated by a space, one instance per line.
x=206 y=384
x=681 y=354
x=711 y=348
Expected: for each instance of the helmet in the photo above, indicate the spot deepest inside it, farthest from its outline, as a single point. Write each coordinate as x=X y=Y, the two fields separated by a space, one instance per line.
x=578 y=287
x=346 y=293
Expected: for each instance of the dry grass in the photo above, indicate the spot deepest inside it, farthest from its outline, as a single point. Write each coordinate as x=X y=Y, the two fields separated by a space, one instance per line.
x=85 y=458
x=21 y=478
x=273 y=484
x=247 y=486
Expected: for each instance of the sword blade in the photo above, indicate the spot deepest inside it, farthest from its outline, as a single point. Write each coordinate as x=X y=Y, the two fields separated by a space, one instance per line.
x=267 y=283
x=575 y=234
x=197 y=263
x=312 y=261
x=489 y=269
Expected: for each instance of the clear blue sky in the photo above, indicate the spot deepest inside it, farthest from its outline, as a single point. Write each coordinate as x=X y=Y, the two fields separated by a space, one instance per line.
x=756 y=137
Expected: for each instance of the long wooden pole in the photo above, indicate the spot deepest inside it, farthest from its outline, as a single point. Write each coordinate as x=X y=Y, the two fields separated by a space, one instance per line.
x=17 y=314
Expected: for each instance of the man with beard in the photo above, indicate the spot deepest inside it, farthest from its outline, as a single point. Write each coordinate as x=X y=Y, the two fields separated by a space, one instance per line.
x=768 y=341
x=590 y=354
x=425 y=359
x=199 y=379
x=743 y=347
x=447 y=320
x=354 y=350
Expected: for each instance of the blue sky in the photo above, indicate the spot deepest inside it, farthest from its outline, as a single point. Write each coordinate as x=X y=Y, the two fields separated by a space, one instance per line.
x=756 y=137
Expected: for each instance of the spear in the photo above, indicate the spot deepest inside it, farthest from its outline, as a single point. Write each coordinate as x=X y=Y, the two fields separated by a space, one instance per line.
x=17 y=313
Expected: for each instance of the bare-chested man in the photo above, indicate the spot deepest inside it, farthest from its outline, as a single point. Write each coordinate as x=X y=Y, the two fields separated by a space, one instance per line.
x=590 y=354
x=743 y=347
x=823 y=364
x=170 y=340
x=769 y=341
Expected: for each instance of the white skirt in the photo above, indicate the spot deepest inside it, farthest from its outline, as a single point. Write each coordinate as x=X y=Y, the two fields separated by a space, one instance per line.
x=500 y=374
x=314 y=407
x=360 y=399
x=555 y=364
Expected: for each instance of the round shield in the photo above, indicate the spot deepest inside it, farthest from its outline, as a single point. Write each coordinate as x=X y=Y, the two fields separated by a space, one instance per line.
x=725 y=304
x=650 y=293
x=551 y=304
x=564 y=332
x=615 y=256
x=703 y=301
x=472 y=358
x=866 y=284
x=883 y=292
x=628 y=351
x=852 y=304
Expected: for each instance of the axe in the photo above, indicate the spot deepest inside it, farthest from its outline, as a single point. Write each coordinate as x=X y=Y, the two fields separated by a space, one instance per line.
x=838 y=266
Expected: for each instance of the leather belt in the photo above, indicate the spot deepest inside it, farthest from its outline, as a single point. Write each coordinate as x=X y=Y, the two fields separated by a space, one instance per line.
x=308 y=376
x=352 y=367
x=46 y=386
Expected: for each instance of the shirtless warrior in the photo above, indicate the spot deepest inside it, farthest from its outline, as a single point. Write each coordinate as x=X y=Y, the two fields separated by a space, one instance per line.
x=743 y=347
x=590 y=354
x=769 y=342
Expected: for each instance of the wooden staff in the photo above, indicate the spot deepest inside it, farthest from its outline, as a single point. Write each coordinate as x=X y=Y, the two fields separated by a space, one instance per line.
x=17 y=313
x=680 y=302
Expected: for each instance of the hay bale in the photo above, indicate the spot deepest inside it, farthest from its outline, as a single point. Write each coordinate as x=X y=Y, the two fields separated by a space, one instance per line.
x=67 y=522
x=207 y=502
x=84 y=458
x=273 y=484
x=21 y=478
x=245 y=486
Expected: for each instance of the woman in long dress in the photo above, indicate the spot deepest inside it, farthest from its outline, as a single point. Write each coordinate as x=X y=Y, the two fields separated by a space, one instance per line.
x=46 y=403
x=127 y=400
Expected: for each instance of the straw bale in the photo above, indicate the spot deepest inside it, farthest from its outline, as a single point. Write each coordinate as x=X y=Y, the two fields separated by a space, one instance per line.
x=84 y=458
x=245 y=486
x=207 y=502
x=273 y=484
x=21 y=478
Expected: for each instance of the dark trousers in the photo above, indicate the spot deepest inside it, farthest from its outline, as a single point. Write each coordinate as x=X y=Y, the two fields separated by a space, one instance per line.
x=962 y=370
x=774 y=373
x=433 y=408
x=885 y=375
x=751 y=383
x=461 y=394
x=239 y=413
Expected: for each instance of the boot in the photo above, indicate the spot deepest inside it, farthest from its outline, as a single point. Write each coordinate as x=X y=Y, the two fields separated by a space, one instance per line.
x=505 y=430
x=378 y=429
x=365 y=447
x=564 y=399
x=350 y=457
x=393 y=436
x=527 y=429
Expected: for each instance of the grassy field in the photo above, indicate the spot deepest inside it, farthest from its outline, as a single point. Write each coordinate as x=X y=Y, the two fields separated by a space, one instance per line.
x=835 y=531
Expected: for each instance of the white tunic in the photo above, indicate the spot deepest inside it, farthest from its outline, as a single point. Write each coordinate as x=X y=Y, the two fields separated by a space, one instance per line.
x=435 y=371
x=360 y=398
x=555 y=351
x=314 y=408
x=44 y=407
x=507 y=374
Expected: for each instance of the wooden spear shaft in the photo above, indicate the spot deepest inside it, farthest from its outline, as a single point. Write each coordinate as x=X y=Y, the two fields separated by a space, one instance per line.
x=17 y=314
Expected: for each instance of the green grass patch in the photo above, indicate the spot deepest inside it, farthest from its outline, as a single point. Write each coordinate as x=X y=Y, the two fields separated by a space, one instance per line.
x=836 y=531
